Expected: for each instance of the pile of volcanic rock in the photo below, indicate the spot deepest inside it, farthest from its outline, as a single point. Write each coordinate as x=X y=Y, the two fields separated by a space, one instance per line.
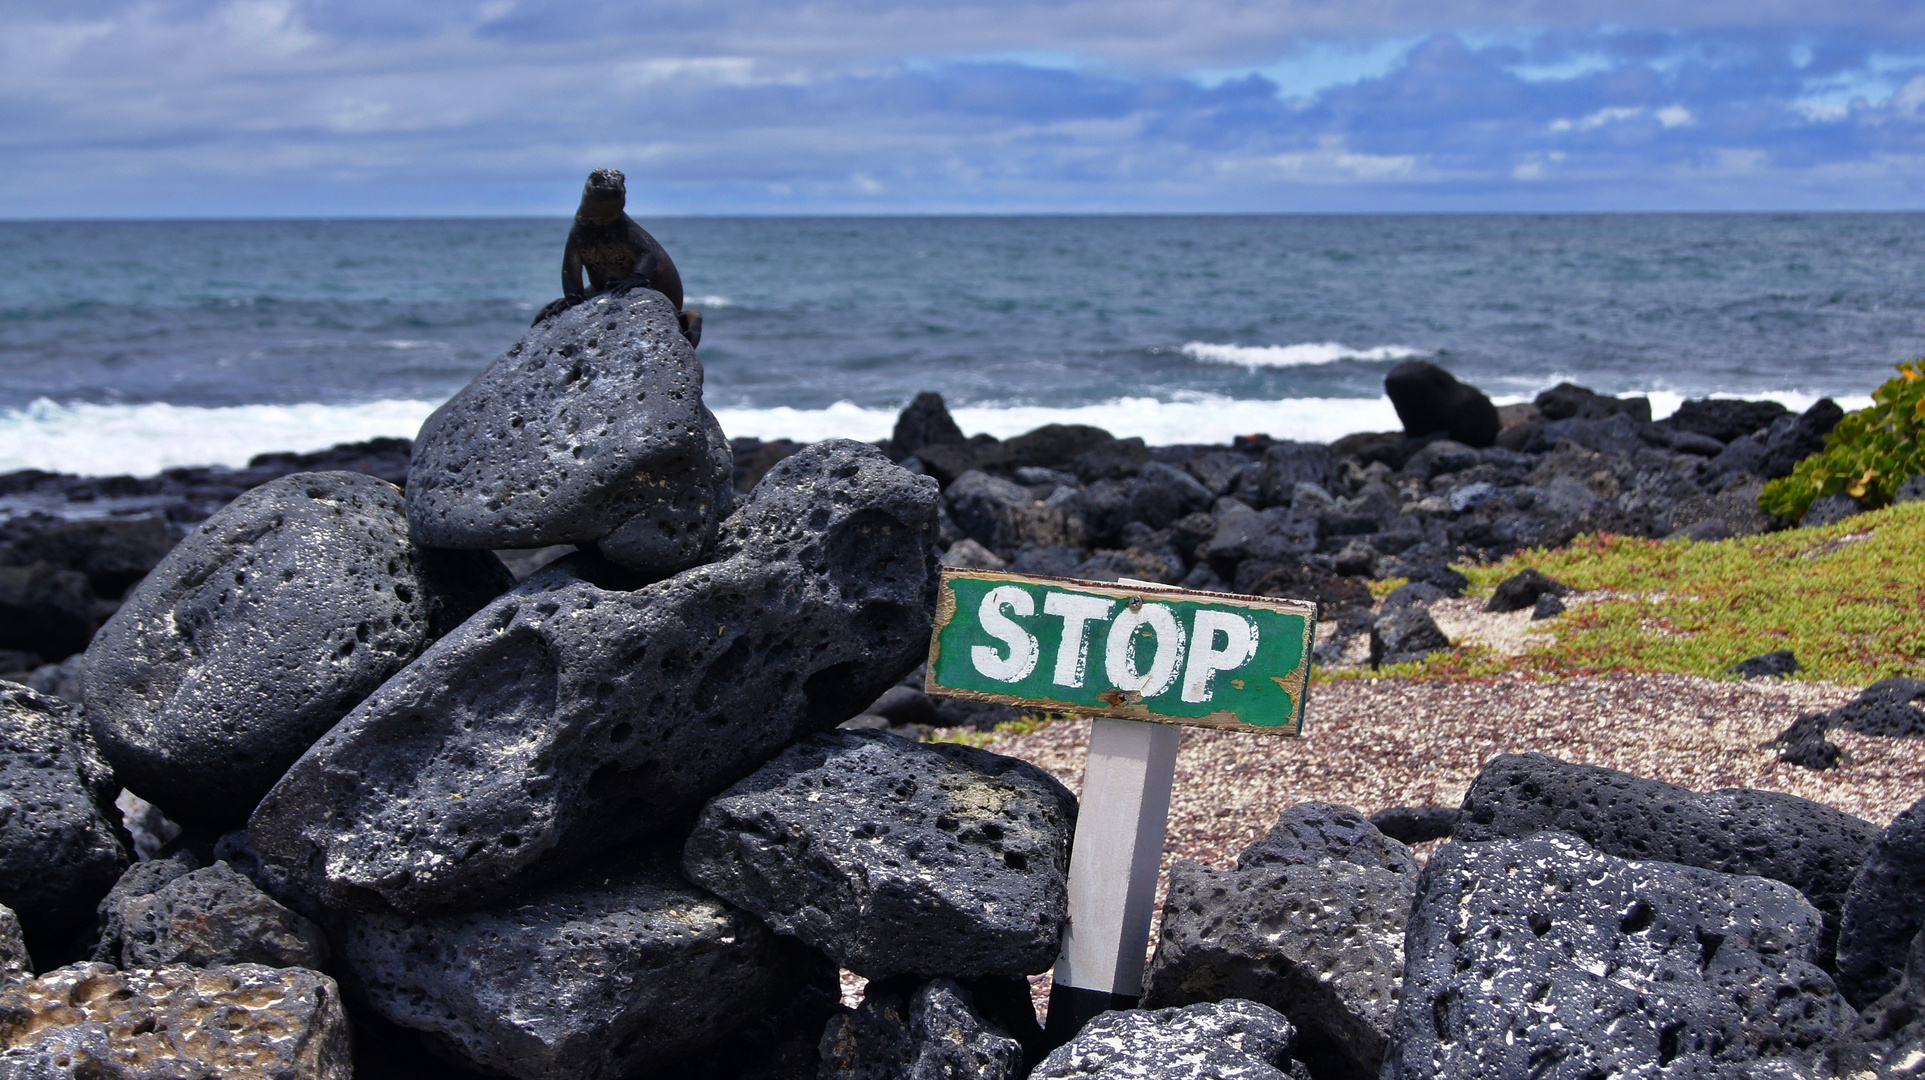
x=1464 y=480
x=1579 y=922
x=599 y=823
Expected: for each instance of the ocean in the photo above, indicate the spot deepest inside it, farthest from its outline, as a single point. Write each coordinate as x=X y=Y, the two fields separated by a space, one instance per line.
x=134 y=346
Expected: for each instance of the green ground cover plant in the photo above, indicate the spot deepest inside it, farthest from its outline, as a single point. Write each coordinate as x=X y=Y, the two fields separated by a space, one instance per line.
x=1848 y=599
x=1866 y=456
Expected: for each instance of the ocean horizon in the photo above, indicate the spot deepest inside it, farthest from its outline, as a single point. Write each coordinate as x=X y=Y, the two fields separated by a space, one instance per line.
x=130 y=346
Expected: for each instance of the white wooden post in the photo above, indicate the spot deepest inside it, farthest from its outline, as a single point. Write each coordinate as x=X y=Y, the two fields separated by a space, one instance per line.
x=1124 y=811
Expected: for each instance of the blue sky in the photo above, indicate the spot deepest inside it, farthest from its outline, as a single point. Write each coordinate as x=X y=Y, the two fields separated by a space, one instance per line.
x=158 y=108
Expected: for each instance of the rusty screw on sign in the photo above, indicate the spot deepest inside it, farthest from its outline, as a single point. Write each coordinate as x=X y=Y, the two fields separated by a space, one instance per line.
x=1240 y=663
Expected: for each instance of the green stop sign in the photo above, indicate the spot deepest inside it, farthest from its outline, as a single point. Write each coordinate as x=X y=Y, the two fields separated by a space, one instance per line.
x=1135 y=652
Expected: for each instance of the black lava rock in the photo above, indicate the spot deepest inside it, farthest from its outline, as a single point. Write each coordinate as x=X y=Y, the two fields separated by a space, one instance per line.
x=903 y=1031
x=621 y=969
x=1567 y=401
x=569 y=716
x=45 y=609
x=60 y=851
x=1804 y=844
x=1804 y=743
x=1548 y=606
x=1544 y=956
x=1224 y=1040
x=261 y=630
x=1522 y=590
x=1287 y=464
x=1310 y=923
x=1416 y=824
x=1791 y=443
x=1831 y=509
x=923 y=422
x=1405 y=634
x=114 y=553
x=1311 y=832
x=1722 y=419
x=1428 y=398
x=211 y=917
x=1888 y=707
x=896 y=857
x=592 y=425
x=1882 y=913
x=16 y=965
x=1766 y=665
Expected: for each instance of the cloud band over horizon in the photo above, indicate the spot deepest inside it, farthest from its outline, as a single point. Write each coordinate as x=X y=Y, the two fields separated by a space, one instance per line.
x=285 y=108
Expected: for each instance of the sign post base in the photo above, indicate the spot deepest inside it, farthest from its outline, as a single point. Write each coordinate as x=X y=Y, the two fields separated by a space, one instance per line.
x=1119 y=842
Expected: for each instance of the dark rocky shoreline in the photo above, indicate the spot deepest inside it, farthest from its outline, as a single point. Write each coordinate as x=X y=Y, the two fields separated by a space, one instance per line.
x=612 y=802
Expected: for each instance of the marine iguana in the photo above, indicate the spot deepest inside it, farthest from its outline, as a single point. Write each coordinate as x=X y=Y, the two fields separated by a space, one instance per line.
x=617 y=254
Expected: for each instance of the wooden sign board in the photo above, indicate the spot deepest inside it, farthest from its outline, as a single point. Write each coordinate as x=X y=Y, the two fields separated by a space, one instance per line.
x=1131 y=651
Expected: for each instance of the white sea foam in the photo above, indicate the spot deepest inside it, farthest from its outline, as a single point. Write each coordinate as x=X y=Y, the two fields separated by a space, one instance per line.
x=143 y=439
x=98 y=440
x=707 y=300
x=1302 y=354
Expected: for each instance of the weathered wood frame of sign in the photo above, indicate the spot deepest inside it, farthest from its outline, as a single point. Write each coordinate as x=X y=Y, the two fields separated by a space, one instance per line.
x=1273 y=615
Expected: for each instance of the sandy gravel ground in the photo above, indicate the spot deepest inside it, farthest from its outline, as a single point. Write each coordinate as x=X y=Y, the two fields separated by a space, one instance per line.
x=1372 y=744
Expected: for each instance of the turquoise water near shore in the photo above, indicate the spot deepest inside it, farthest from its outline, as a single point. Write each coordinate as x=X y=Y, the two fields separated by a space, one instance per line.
x=129 y=345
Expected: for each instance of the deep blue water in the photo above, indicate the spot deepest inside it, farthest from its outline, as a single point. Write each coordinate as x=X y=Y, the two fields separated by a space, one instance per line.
x=1050 y=313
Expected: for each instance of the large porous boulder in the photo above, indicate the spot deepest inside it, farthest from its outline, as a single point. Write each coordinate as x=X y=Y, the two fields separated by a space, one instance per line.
x=1225 y=1040
x=261 y=629
x=903 y=1031
x=1807 y=845
x=1546 y=957
x=93 y=1022
x=60 y=851
x=1882 y=911
x=923 y=422
x=1429 y=399
x=1311 y=923
x=568 y=716
x=1244 y=535
x=592 y=425
x=1156 y=496
x=896 y=857
x=616 y=970
x=210 y=917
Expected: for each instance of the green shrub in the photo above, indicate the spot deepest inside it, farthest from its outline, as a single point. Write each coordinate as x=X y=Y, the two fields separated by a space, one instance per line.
x=1866 y=456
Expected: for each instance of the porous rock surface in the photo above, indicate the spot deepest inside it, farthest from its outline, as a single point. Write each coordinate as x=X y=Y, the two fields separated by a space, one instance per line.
x=616 y=970
x=895 y=857
x=591 y=425
x=1883 y=911
x=1888 y=1042
x=1224 y=1040
x=1310 y=923
x=903 y=1031
x=1545 y=957
x=210 y=917
x=1809 y=846
x=15 y=964
x=93 y=1022
x=261 y=629
x=566 y=718
x=59 y=848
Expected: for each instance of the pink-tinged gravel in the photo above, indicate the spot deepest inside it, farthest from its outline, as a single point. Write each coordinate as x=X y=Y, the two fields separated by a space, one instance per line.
x=1373 y=743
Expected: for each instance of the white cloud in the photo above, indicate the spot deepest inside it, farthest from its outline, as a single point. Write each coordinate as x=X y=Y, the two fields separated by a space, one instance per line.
x=1676 y=116
x=1910 y=98
x=1597 y=119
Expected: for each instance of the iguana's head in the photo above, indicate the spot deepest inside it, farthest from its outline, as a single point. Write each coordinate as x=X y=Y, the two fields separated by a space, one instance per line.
x=605 y=195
